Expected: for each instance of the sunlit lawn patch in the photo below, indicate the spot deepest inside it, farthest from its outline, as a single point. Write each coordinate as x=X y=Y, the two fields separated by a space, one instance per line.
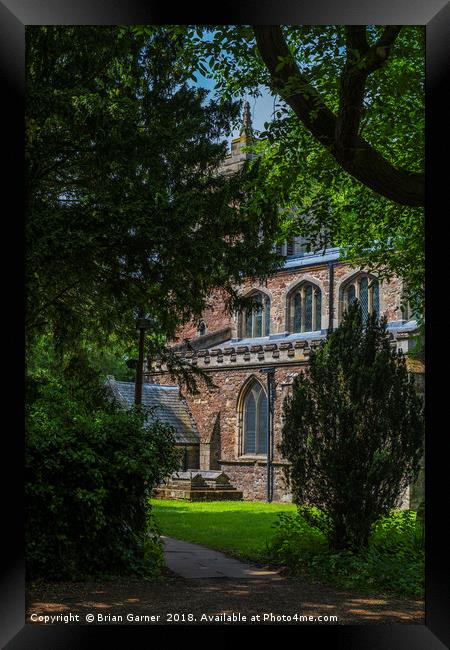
x=241 y=528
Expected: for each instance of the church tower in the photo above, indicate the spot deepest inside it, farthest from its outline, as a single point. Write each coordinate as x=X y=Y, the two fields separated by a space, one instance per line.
x=234 y=160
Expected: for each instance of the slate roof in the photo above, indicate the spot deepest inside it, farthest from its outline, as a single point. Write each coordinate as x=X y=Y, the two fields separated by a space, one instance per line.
x=402 y=326
x=170 y=408
x=275 y=338
x=284 y=337
x=308 y=259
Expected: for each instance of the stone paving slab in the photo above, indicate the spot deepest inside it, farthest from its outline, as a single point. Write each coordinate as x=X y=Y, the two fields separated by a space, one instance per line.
x=194 y=561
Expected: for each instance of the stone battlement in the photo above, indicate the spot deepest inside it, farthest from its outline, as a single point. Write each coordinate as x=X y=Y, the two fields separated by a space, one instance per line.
x=279 y=352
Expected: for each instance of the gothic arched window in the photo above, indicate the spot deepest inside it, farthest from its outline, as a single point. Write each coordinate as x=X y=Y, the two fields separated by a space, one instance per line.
x=407 y=311
x=202 y=328
x=365 y=289
x=256 y=321
x=254 y=420
x=293 y=247
x=305 y=308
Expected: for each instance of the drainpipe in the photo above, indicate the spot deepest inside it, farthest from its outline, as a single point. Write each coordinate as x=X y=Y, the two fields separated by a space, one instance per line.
x=270 y=372
x=330 y=295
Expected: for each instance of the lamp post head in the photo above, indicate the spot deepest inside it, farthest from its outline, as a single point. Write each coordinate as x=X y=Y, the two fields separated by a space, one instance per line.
x=144 y=323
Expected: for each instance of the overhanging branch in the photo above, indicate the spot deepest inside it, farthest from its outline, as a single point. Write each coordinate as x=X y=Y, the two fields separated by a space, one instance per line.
x=358 y=157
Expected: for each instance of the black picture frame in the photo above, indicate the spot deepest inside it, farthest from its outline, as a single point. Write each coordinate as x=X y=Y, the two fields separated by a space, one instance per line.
x=14 y=16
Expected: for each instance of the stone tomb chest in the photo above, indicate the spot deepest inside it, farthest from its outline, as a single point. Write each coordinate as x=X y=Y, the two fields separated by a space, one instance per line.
x=198 y=485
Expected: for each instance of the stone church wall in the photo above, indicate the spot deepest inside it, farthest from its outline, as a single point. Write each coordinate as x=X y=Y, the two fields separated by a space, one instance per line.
x=217 y=415
x=217 y=411
x=278 y=288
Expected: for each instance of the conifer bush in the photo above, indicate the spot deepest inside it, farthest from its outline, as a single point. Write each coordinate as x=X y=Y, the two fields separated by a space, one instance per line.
x=353 y=430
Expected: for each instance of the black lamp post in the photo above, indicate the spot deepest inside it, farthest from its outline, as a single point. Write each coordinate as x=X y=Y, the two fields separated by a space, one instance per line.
x=270 y=372
x=142 y=324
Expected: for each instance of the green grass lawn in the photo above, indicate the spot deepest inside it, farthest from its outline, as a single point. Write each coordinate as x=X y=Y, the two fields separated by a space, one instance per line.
x=240 y=528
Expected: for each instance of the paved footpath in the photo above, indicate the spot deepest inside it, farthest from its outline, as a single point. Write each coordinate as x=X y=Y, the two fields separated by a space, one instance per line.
x=206 y=582
x=194 y=561
x=203 y=582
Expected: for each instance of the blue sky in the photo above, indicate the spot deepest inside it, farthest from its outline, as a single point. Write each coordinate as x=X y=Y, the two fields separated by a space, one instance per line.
x=261 y=108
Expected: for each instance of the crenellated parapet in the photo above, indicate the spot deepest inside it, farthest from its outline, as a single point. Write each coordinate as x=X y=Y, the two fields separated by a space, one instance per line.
x=245 y=355
x=273 y=352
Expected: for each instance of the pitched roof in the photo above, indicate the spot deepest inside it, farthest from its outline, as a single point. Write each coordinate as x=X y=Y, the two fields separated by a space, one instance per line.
x=168 y=406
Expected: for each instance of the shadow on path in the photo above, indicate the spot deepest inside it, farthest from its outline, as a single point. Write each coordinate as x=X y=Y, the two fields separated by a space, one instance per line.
x=212 y=597
x=205 y=587
x=195 y=561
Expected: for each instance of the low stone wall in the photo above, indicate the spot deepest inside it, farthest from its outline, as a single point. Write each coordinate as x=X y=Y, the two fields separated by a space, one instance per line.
x=251 y=479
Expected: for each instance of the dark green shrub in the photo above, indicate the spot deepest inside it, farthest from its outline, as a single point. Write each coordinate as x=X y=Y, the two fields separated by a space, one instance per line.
x=353 y=430
x=392 y=563
x=398 y=534
x=90 y=468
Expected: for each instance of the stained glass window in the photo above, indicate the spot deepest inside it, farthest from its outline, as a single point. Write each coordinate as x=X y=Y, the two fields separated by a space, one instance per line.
x=248 y=323
x=368 y=293
x=297 y=309
x=318 y=309
x=266 y=317
x=255 y=420
x=308 y=308
x=250 y=424
x=256 y=321
x=305 y=308
x=351 y=294
x=364 y=296
x=262 y=424
x=376 y=298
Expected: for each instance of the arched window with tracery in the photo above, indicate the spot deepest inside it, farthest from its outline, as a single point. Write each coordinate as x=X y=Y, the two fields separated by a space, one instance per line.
x=305 y=308
x=407 y=311
x=254 y=420
x=256 y=320
x=294 y=247
x=366 y=289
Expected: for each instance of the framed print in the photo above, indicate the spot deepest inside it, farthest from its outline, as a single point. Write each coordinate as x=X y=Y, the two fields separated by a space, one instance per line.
x=243 y=353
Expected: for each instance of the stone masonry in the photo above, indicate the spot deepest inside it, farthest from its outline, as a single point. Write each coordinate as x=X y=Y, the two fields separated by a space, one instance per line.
x=277 y=289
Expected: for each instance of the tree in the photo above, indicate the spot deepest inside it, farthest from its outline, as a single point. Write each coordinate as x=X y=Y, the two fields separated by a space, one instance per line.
x=340 y=133
x=125 y=212
x=346 y=146
x=376 y=79
x=125 y=209
x=89 y=472
x=353 y=430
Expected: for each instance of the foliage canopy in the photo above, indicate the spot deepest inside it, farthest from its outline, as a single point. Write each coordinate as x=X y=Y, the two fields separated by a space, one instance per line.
x=345 y=145
x=125 y=209
x=90 y=468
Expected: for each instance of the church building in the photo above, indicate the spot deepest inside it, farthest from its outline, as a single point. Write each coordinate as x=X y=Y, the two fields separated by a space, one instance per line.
x=252 y=357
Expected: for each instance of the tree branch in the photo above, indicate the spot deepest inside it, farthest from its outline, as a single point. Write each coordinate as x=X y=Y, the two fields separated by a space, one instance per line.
x=30 y=322
x=358 y=157
x=361 y=61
